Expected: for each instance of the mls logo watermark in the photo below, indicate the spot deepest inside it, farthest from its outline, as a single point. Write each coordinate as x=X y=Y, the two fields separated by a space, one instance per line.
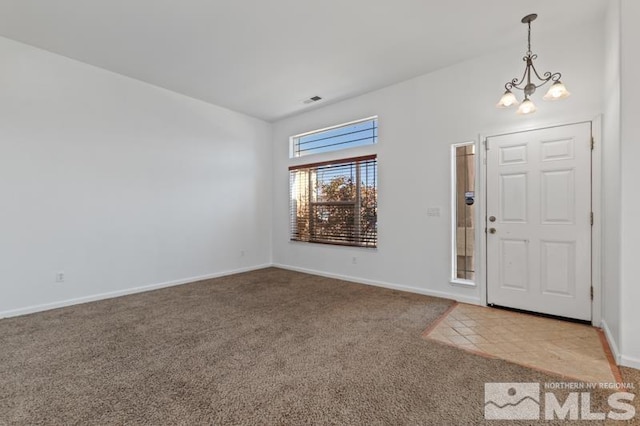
x=512 y=401
x=522 y=401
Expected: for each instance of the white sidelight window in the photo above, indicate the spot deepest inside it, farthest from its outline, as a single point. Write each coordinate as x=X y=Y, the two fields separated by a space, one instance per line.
x=463 y=205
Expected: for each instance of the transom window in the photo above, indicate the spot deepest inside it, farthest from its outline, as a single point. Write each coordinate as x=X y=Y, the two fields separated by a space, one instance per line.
x=335 y=202
x=356 y=133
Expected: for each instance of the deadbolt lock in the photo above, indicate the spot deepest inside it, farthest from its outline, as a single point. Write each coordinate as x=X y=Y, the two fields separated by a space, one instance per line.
x=492 y=218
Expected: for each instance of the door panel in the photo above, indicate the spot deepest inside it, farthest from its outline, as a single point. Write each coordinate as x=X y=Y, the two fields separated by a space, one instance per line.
x=513 y=200
x=558 y=267
x=557 y=197
x=515 y=154
x=514 y=264
x=557 y=150
x=539 y=190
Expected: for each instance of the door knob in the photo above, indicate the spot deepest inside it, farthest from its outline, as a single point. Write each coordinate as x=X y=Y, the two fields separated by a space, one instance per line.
x=492 y=230
x=492 y=218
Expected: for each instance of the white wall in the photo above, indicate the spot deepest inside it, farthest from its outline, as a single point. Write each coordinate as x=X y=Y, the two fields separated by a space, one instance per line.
x=611 y=178
x=419 y=119
x=120 y=184
x=630 y=196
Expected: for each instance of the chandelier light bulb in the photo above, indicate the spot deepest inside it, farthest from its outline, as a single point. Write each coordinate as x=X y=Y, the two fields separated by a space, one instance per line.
x=507 y=100
x=526 y=107
x=556 y=91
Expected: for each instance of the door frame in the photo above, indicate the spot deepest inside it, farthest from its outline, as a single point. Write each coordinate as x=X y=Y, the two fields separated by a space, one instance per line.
x=596 y=206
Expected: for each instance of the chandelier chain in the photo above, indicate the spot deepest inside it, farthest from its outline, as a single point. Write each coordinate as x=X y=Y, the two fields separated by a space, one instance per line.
x=529 y=39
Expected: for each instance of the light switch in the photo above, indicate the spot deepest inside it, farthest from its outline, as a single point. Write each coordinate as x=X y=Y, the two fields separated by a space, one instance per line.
x=433 y=212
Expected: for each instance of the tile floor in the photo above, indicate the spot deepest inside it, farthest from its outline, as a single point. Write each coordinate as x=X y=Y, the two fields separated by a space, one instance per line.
x=568 y=349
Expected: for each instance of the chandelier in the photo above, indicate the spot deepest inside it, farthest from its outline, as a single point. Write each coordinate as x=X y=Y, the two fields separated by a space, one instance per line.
x=527 y=83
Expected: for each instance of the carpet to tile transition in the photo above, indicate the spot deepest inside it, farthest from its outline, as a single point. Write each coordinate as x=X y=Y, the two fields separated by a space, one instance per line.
x=264 y=347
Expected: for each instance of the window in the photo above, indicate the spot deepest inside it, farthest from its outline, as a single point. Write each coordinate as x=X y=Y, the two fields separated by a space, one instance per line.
x=335 y=202
x=463 y=208
x=356 y=133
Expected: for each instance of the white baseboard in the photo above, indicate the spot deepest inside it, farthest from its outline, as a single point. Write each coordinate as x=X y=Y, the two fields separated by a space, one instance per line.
x=118 y=293
x=434 y=293
x=613 y=345
x=630 y=362
x=620 y=359
x=141 y=289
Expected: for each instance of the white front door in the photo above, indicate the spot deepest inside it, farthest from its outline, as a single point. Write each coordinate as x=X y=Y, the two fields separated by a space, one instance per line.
x=539 y=221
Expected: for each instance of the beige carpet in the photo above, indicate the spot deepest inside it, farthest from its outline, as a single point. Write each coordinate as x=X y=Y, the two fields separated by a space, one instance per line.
x=265 y=347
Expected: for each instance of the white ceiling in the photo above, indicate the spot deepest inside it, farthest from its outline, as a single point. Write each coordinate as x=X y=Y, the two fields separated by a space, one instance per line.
x=264 y=57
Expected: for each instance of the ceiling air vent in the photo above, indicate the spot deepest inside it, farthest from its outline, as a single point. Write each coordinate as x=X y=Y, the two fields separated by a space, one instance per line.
x=312 y=99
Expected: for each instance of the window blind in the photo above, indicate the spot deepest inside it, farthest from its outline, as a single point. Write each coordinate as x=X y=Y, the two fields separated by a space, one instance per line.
x=335 y=202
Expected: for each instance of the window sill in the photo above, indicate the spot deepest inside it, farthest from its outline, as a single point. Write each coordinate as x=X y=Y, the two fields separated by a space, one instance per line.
x=331 y=244
x=463 y=283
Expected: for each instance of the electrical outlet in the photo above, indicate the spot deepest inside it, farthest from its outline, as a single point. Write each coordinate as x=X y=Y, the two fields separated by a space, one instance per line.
x=241 y=253
x=354 y=260
x=60 y=277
